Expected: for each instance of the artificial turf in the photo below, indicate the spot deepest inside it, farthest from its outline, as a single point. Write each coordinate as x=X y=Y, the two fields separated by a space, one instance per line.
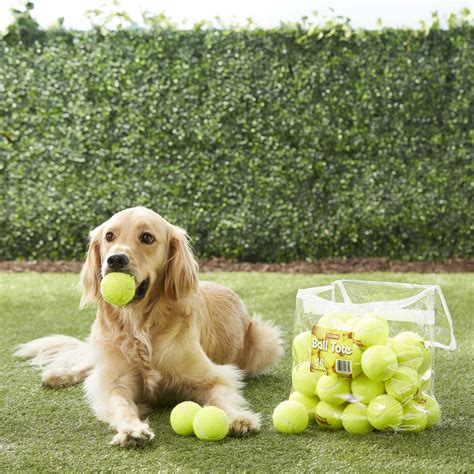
x=53 y=430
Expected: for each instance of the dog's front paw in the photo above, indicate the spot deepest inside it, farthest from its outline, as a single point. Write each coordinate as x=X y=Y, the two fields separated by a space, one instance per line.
x=133 y=436
x=244 y=423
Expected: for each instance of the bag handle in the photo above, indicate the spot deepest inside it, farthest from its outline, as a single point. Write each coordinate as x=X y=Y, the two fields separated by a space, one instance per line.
x=452 y=343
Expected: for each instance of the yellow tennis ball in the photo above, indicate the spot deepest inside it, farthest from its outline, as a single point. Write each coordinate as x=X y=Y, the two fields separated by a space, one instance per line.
x=403 y=384
x=344 y=317
x=384 y=412
x=329 y=416
x=301 y=348
x=379 y=363
x=379 y=317
x=182 y=417
x=290 y=417
x=365 y=390
x=211 y=424
x=331 y=321
x=430 y=404
x=411 y=338
x=352 y=323
x=354 y=419
x=414 y=417
x=304 y=380
x=370 y=331
x=308 y=402
x=333 y=390
x=408 y=355
x=409 y=348
x=118 y=288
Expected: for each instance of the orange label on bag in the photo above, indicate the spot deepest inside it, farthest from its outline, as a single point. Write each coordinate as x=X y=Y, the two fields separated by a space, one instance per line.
x=332 y=351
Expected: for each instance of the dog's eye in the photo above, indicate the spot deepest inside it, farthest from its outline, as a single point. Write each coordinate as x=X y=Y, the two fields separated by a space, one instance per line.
x=147 y=238
x=109 y=236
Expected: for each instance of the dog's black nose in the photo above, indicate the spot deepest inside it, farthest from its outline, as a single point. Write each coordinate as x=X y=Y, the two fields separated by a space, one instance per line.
x=117 y=261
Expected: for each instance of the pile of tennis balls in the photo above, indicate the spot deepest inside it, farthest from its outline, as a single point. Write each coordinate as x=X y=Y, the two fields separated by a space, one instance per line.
x=390 y=388
x=208 y=424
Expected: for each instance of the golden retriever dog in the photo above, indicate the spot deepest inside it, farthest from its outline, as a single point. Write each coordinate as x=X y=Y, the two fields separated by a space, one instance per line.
x=179 y=339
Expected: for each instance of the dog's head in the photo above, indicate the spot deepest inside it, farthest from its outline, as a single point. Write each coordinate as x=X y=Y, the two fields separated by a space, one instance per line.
x=140 y=242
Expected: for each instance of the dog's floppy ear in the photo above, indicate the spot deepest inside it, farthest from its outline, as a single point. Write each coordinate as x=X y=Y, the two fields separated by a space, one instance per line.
x=90 y=273
x=181 y=268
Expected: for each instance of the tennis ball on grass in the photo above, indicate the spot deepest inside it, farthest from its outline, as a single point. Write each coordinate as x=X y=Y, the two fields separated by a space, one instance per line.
x=384 y=412
x=370 y=331
x=414 y=417
x=333 y=390
x=354 y=419
x=430 y=404
x=308 y=402
x=211 y=424
x=329 y=416
x=118 y=288
x=365 y=390
x=182 y=417
x=302 y=347
x=403 y=384
x=304 y=381
x=379 y=363
x=290 y=417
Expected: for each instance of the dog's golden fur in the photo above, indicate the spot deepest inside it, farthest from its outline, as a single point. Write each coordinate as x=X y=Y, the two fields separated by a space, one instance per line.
x=184 y=340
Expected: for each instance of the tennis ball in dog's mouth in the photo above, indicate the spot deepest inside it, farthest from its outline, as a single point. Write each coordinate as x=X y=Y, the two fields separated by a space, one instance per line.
x=211 y=424
x=290 y=417
x=182 y=417
x=117 y=288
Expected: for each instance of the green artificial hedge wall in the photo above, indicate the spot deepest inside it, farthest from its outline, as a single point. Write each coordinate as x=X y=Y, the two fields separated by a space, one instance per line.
x=264 y=145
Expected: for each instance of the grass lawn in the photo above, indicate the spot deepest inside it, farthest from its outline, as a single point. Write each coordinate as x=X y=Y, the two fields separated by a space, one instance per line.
x=53 y=430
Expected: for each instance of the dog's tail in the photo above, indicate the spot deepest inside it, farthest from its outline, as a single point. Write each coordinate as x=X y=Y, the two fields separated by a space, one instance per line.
x=64 y=360
x=262 y=347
